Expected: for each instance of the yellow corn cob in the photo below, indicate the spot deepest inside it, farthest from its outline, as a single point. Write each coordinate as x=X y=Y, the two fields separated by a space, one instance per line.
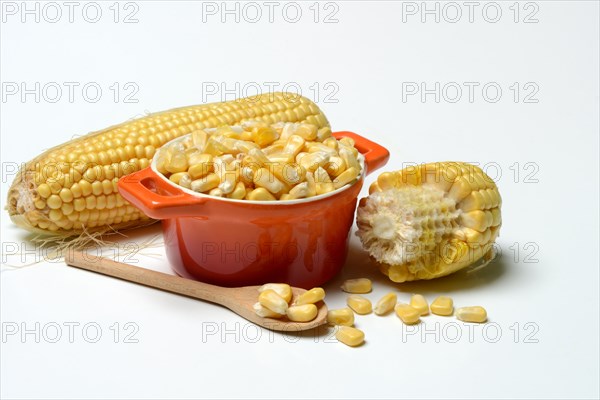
x=72 y=188
x=429 y=221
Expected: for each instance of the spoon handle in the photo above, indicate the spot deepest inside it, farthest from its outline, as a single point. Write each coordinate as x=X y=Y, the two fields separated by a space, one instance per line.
x=147 y=277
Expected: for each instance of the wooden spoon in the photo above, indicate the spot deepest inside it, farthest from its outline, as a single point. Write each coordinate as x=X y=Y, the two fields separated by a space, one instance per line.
x=239 y=300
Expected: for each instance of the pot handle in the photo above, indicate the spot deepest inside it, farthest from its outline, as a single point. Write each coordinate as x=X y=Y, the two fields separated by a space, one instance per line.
x=376 y=156
x=155 y=197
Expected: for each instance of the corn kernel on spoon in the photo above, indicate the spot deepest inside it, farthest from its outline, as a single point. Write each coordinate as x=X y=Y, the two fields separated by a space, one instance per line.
x=240 y=300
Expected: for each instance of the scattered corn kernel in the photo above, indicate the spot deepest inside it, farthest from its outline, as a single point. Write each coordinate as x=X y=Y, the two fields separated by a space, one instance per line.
x=311 y=296
x=350 y=336
x=342 y=316
x=360 y=305
x=407 y=314
x=385 y=304
x=419 y=303
x=264 y=312
x=302 y=313
x=274 y=302
x=471 y=314
x=442 y=305
x=359 y=285
x=282 y=289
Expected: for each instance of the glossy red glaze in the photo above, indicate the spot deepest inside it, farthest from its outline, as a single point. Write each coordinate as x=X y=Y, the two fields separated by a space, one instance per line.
x=238 y=243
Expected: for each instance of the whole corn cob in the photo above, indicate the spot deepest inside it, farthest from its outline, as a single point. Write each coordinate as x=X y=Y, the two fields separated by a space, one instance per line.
x=429 y=221
x=72 y=188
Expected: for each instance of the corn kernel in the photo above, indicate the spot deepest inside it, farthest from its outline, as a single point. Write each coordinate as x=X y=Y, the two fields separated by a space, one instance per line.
x=176 y=177
x=323 y=134
x=245 y=146
x=306 y=131
x=294 y=145
x=178 y=163
x=202 y=168
x=419 y=303
x=274 y=302
x=288 y=173
x=260 y=194
x=312 y=186
x=228 y=182
x=330 y=142
x=66 y=195
x=264 y=312
x=350 y=336
x=359 y=285
x=442 y=305
x=54 y=202
x=239 y=192
x=336 y=166
x=311 y=296
x=312 y=161
x=345 y=177
x=217 y=192
x=258 y=157
x=44 y=190
x=471 y=314
x=281 y=159
x=349 y=158
x=282 y=289
x=264 y=136
x=323 y=181
x=199 y=138
x=347 y=141
x=299 y=191
x=407 y=314
x=343 y=316
x=264 y=178
x=205 y=183
x=385 y=304
x=185 y=181
x=359 y=304
x=214 y=147
x=302 y=313
x=313 y=147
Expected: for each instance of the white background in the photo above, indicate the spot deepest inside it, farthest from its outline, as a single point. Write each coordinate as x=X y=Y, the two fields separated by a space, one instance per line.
x=541 y=294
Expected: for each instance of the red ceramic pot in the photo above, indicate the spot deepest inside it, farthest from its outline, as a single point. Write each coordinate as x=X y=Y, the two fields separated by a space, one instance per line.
x=239 y=242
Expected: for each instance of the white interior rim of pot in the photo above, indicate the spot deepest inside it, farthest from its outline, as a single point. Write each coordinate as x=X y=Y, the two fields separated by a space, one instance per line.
x=361 y=160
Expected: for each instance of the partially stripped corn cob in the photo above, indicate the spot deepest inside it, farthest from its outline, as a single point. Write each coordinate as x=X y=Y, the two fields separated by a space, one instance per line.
x=72 y=188
x=429 y=221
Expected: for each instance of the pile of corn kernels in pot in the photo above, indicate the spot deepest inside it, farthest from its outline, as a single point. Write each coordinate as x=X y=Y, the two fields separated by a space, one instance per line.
x=258 y=162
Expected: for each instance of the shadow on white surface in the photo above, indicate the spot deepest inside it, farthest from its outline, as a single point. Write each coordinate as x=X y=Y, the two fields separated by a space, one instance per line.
x=359 y=265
